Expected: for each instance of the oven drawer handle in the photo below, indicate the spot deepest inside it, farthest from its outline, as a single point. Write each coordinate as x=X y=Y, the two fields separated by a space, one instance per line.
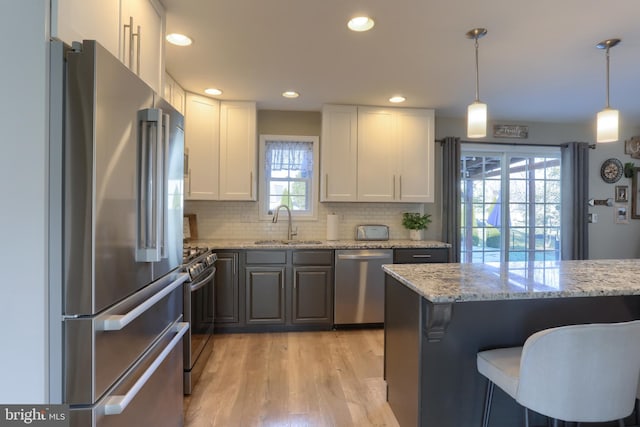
x=201 y=283
x=117 y=404
x=116 y=322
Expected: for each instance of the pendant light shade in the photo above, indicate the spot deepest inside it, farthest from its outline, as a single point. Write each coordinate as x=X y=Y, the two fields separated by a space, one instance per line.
x=477 y=112
x=607 y=123
x=607 y=127
x=477 y=120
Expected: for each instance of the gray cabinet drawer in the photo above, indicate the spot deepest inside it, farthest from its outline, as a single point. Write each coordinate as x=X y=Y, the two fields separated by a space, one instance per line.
x=416 y=256
x=266 y=257
x=313 y=257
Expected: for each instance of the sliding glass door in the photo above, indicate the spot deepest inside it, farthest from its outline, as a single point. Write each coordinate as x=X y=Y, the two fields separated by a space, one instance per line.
x=510 y=204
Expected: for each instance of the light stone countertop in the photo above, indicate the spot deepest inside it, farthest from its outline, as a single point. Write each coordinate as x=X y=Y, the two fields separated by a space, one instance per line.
x=317 y=244
x=445 y=283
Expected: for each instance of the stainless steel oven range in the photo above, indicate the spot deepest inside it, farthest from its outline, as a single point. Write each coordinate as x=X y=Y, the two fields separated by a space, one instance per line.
x=199 y=263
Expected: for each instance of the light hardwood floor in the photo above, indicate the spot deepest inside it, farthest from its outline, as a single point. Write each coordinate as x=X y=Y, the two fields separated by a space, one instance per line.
x=314 y=379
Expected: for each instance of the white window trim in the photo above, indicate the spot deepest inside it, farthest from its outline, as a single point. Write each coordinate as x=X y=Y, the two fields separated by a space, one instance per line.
x=262 y=182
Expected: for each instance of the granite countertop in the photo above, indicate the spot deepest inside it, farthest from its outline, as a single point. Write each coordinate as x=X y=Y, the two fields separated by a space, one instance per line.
x=445 y=283
x=316 y=244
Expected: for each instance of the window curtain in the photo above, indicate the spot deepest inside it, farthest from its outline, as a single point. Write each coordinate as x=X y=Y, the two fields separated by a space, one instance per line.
x=574 y=240
x=451 y=195
x=289 y=155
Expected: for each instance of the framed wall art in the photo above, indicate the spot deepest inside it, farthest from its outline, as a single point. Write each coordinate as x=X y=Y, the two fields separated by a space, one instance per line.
x=622 y=193
x=622 y=214
x=635 y=199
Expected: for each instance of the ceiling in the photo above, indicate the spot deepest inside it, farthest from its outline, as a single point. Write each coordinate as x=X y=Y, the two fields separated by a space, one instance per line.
x=538 y=62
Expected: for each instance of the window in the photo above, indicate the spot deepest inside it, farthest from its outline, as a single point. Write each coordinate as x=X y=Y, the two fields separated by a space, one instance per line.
x=289 y=175
x=510 y=206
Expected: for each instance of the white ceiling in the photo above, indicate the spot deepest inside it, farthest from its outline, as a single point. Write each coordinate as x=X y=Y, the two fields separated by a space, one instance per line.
x=538 y=61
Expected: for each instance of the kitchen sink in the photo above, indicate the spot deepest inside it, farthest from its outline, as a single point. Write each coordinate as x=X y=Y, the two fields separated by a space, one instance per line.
x=287 y=242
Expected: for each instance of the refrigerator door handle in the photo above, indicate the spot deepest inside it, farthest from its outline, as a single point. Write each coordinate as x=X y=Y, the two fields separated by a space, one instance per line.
x=116 y=322
x=117 y=404
x=163 y=180
x=150 y=221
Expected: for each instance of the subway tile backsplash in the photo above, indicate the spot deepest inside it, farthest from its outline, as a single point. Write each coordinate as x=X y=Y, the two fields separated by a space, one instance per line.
x=240 y=220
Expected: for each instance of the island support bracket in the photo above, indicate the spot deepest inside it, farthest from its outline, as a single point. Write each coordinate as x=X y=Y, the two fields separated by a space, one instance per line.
x=437 y=320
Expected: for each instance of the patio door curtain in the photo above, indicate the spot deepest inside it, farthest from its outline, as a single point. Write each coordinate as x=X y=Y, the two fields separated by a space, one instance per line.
x=575 y=195
x=451 y=195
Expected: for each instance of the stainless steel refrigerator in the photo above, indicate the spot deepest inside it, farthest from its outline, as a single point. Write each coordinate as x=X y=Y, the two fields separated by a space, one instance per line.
x=116 y=167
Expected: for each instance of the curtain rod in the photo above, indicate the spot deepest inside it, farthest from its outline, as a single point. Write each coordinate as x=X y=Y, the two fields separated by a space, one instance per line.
x=592 y=146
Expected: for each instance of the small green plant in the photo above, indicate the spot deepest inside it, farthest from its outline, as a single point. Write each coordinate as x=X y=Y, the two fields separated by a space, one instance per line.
x=629 y=169
x=415 y=221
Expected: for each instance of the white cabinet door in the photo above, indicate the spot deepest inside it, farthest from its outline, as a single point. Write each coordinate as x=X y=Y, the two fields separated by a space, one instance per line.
x=415 y=139
x=238 y=149
x=144 y=53
x=377 y=155
x=202 y=148
x=339 y=153
x=77 y=20
x=174 y=93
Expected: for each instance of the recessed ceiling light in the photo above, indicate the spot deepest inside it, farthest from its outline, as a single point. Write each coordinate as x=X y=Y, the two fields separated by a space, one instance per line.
x=290 y=94
x=213 y=91
x=360 y=23
x=396 y=99
x=179 y=39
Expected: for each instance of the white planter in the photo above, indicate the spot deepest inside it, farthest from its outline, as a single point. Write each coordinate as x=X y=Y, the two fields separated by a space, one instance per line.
x=415 y=234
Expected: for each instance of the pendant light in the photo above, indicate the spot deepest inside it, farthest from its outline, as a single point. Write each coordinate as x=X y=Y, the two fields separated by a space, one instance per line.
x=607 y=127
x=477 y=112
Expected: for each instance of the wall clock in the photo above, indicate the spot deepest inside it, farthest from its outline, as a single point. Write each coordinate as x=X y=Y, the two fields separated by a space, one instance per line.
x=611 y=170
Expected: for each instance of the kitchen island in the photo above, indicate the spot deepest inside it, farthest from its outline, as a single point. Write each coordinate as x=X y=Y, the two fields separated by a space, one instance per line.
x=438 y=316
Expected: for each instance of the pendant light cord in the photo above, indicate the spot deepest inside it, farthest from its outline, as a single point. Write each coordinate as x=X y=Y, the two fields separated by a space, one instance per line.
x=607 y=54
x=478 y=77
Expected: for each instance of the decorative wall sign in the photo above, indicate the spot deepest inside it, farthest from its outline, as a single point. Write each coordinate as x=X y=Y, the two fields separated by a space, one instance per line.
x=511 y=131
x=632 y=147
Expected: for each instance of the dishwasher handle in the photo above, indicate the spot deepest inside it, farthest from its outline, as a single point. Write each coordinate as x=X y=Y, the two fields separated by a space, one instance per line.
x=364 y=257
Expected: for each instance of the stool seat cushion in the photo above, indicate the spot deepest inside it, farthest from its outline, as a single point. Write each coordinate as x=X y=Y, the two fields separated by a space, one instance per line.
x=502 y=366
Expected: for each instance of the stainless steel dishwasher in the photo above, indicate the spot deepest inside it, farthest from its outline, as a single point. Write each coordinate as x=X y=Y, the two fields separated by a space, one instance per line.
x=359 y=286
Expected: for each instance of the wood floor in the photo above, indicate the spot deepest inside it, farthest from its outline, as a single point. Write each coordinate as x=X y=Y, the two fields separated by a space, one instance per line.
x=313 y=379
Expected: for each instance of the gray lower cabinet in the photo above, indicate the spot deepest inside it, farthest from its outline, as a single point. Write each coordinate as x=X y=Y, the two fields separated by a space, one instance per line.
x=420 y=255
x=227 y=289
x=274 y=290
x=312 y=295
x=265 y=295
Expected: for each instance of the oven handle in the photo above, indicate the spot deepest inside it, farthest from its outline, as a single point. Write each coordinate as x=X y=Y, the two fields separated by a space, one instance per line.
x=116 y=322
x=117 y=404
x=201 y=283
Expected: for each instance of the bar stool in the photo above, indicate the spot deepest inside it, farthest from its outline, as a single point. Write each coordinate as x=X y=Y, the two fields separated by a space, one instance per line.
x=578 y=373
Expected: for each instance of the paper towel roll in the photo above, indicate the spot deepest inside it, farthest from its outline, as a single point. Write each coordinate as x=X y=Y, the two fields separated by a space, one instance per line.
x=332 y=227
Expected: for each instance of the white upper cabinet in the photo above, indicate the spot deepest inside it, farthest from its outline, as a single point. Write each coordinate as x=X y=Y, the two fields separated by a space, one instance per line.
x=415 y=164
x=238 y=151
x=221 y=148
x=339 y=153
x=174 y=93
x=108 y=22
x=386 y=157
x=202 y=145
x=77 y=20
x=376 y=155
x=142 y=44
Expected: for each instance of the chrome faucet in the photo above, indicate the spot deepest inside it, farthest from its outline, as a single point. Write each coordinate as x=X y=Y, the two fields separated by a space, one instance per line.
x=290 y=232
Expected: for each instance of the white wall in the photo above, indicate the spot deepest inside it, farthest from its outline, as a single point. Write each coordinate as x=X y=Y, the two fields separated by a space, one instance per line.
x=606 y=238
x=23 y=172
